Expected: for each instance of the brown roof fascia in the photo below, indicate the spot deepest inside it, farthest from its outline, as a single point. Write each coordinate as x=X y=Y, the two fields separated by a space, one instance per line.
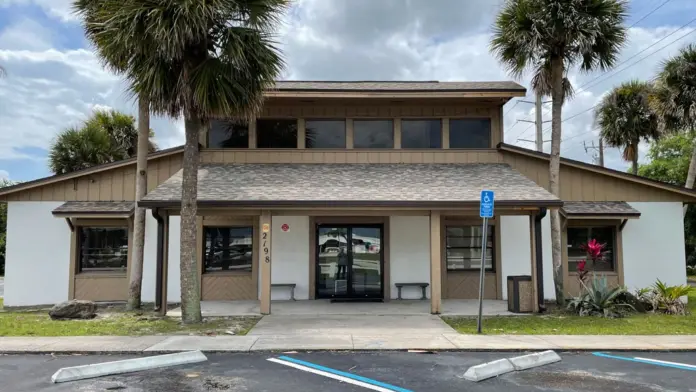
x=322 y=93
x=348 y=203
x=90 y=170
x=602 y=170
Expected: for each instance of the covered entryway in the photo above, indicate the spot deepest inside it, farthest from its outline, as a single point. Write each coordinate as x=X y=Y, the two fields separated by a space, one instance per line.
x=349 y=262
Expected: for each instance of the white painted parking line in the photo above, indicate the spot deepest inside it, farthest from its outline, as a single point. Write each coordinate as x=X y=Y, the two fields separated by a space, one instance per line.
x=668 y=363
x=337 y=375
x=648 y=361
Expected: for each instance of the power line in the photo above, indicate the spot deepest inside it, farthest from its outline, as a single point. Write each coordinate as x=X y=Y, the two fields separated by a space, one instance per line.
x=641 y=59
x=590 y=83
x=513 y=106
x=649 y=13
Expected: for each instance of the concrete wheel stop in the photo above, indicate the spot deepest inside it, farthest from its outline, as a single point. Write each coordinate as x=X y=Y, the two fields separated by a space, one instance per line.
x=499 y=367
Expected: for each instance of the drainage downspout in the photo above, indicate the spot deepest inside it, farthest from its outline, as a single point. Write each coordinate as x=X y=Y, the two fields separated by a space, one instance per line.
x=160 y=257
x=539 y=258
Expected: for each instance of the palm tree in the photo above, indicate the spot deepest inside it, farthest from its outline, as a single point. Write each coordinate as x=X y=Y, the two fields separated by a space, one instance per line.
x=197 y=59
x=104 y=137
x=79 y=148
x=115 y=57
x=675 y=100
x=624 y=117
x=549 y=37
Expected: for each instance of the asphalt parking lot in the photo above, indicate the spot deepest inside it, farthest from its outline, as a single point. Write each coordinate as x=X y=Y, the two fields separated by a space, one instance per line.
x=394 y=371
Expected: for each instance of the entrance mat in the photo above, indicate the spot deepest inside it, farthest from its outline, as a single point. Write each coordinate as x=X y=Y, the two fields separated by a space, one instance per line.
x=337 y=300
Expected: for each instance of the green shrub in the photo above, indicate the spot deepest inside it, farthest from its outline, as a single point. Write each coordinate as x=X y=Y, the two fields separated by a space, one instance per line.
x=664 y=299
x=598 y=299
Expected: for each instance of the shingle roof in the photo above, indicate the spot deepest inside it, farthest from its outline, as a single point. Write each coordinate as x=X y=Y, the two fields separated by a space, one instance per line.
x=397 y=86
x=613 y=208
x=95 y=207
x=356 y=184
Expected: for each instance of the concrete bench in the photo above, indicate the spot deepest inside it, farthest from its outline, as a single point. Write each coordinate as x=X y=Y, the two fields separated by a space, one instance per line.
x=423 y=286
x=290 y=286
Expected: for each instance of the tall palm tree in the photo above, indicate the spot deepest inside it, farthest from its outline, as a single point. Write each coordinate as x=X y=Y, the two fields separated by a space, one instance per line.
x=116 y=57
x=549 y=37
x=196 y=59
x=624 y=117
x=675 y=100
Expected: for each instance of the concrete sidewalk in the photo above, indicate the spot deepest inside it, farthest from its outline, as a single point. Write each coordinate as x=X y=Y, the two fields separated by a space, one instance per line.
x=287 y=342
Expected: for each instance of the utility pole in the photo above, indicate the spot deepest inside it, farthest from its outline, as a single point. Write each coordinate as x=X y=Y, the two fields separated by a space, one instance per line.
x=538 y=121
x=598 y=157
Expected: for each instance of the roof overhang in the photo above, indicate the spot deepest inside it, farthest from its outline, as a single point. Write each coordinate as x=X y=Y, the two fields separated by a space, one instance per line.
x=392 y=94
x=94 y=210
x=510 y=204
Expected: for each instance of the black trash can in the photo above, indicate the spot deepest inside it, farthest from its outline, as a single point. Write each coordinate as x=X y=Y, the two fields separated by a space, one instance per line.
x=520 y=294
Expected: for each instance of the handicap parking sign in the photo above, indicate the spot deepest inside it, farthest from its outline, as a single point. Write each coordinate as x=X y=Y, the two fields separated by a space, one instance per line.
x=487 y=200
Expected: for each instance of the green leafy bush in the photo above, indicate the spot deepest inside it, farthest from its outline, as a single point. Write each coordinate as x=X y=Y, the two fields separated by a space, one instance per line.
x=664 y=299
x=598 y=299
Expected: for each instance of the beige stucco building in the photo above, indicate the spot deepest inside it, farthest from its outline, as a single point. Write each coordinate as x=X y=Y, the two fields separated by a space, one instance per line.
x=344 y=190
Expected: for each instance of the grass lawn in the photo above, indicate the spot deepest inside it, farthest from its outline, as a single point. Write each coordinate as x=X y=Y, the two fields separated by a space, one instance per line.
x=559 y=323
x=118 y=323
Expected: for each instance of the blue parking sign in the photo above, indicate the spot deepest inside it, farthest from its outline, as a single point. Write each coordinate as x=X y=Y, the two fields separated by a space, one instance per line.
x=487 y=201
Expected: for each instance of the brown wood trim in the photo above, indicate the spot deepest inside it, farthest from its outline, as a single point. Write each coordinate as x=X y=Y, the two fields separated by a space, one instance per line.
x=129 y=258
x=397 y=133
x=230 y=273
x=255 y=258
x=199 y=252
x=350 y=135
x=386 y=255
x=312 y=257
x=349 y=212
x=394 y=94
x=104 y=275
x=619 y=255
x=600 y=217
x=252 y=133
x=349 y=220
x=265 y=243
x=445 y=133
x=114 y=222
x=435 y=263
x=301 y=132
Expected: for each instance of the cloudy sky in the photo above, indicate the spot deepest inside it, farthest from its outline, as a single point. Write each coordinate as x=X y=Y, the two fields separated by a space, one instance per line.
x=53 y=79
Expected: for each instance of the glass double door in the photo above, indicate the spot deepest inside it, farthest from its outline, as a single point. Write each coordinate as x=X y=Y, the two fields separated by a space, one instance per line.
x=349 y=261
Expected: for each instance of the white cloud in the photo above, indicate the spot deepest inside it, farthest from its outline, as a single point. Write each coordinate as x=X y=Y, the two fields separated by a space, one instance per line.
x=4 y=175
x=26 y=34
x=61 y=9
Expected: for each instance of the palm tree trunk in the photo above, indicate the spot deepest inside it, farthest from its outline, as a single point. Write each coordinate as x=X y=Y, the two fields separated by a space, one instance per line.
x=691 y=175
x=634 y=158
x=136 y=270
x=190 y=286
x=554 y=173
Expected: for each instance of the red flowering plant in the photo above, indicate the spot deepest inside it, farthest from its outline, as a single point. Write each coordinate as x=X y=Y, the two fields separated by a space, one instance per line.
x=595 y=251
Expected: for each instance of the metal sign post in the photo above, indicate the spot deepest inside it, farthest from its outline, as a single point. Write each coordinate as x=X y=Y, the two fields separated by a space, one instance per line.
x=485 y=212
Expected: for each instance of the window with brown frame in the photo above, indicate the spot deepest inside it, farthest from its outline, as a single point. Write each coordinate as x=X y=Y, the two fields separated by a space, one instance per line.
x=578 y=236
x=470 y=133
x=102 y=249
x=463 y=248
x=227 y=249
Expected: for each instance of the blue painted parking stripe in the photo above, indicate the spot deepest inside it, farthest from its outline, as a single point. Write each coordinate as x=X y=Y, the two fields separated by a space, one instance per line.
x=645 y=361
x=344 y=374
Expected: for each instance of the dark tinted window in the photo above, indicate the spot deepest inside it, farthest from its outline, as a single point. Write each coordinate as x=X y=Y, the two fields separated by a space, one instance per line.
x=579 y=236
x=276 y=133
x=421 y=134
x=373 y=134
x=228 y=249
x=464 y=248
x=325 y=134
x=103 y=249
x=470 y=133
x=228 y=134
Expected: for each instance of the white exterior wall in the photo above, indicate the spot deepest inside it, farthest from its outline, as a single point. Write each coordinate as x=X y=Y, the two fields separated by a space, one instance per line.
x=516 y=256
x=290 y=256
x=37 y=265
x=653 y=245
x=409 y=258
x=150 y=259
